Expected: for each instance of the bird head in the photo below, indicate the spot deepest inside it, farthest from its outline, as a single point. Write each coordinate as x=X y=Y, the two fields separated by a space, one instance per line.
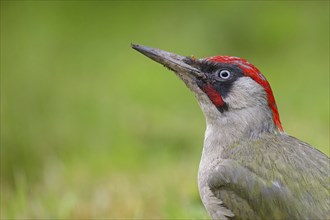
x=229 y=89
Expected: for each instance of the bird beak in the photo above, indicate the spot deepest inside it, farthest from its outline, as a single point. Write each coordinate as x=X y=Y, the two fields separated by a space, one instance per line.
x=179 y=64
x=186 y=68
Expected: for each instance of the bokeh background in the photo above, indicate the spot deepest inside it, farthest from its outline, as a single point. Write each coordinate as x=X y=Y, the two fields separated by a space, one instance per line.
x=92 y=129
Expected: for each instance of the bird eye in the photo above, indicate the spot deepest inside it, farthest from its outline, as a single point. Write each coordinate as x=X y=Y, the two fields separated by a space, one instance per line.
x=223 y=74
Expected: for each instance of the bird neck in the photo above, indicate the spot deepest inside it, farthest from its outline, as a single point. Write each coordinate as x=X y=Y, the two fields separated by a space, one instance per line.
x=236 y=125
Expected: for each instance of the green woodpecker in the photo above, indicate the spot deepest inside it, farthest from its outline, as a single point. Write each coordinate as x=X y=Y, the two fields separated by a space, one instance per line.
x=250 y=168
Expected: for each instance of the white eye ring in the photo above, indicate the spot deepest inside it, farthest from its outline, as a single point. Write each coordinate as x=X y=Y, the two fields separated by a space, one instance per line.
x=224 y=74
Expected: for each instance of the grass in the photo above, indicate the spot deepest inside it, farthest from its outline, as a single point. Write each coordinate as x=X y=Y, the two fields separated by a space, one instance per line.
x=92 y=129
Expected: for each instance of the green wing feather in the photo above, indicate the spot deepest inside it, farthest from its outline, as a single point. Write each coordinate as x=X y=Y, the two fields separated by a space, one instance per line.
x=274 y=177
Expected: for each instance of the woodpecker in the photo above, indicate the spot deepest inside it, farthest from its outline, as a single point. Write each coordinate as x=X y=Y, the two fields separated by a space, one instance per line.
x=250 y=168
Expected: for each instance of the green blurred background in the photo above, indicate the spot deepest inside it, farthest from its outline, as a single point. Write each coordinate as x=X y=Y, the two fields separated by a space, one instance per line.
x=92 y=129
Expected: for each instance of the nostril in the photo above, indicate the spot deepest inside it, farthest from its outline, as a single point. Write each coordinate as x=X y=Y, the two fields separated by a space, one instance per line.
x=189 y=60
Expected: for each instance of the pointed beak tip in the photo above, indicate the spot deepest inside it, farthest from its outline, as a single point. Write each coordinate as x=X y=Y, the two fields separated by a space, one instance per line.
x=142 y=49
x=135 y=46
x=172 y=61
